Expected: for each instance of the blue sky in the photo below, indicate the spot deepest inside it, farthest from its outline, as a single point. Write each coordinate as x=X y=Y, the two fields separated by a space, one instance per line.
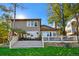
x=34 y=10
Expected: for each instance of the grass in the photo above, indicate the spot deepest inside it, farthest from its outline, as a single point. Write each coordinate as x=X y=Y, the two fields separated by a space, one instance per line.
x=47 y=51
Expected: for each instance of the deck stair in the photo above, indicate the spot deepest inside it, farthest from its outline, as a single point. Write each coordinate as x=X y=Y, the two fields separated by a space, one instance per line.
x=27 y=44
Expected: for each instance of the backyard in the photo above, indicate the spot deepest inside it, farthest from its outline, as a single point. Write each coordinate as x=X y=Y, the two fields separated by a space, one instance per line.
x=47 y=51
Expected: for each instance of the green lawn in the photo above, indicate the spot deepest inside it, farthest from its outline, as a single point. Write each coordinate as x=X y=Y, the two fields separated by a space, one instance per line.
x=47 y=51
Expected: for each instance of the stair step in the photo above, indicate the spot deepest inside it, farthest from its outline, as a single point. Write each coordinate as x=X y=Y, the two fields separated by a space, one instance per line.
x=25 y=44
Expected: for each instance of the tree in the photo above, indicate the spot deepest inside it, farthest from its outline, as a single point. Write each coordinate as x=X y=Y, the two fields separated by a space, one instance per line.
x=4 y=32
x=77 y=27
x=4 y=26
x=69 y=11
x=15 y=5
x=7 y=15
x=53 y=13
x=62 y=17
x=8 y=11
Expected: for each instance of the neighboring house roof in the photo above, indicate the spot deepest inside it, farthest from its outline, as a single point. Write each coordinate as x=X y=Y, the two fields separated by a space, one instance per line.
x=47 y=28
x=26 y=19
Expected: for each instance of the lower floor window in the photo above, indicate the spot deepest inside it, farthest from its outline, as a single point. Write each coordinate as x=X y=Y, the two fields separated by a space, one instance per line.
x=54 y=34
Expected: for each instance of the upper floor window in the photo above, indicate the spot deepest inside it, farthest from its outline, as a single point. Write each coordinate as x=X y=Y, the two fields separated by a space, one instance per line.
x=35 y=23
x=28 y=23
x=31 y=23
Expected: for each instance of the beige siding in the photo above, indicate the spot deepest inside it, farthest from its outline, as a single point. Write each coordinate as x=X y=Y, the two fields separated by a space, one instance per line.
x=22 y=25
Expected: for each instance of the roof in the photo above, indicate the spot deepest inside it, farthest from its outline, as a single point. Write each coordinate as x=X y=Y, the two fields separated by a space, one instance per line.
x=26 y=19
x=47 y=28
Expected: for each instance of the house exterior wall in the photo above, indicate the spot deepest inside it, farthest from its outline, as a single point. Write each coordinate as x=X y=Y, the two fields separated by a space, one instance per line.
x=35 y=30
x=33 y=34
x=31 y=27
x=23 y=25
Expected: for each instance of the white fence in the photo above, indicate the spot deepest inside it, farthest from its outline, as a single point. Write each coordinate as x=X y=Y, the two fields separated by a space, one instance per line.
x=60 y=39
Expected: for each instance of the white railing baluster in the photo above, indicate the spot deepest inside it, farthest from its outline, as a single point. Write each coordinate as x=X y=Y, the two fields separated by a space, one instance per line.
x=62 y=38
x=48 y=38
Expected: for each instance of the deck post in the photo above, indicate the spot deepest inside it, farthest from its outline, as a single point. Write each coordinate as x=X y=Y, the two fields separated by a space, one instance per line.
x=61 y=38
x=10 y=38
x=42 y=41
x=76 y=38
x=48 y=38
x=9 y=44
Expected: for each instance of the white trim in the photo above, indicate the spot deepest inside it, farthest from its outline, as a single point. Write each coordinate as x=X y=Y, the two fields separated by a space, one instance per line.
x=63 y=41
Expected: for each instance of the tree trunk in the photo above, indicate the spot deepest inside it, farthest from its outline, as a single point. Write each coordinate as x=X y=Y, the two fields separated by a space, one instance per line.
x=14 y=5
x=62 y=16
x=77 y=27
x=55 y=25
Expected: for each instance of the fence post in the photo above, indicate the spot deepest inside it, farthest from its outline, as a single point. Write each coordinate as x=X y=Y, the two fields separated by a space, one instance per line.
x=76 y=38
x=61 y=38
x=9 y=44
x=48 y=38
x=42 y=41
x=10 y=38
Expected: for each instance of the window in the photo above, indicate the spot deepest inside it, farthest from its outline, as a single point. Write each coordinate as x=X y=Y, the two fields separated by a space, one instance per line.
x=50 y=34
x=35 y=23
x=54 y=34
x=47 y=34
x=30 y=23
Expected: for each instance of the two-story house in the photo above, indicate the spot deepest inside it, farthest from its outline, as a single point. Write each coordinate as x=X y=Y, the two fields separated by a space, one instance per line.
x=34 y=28
x=30 y=26
x=34 y=33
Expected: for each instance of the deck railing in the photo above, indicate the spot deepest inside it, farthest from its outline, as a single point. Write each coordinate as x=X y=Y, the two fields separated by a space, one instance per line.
x=60 y=39
x=13 y=40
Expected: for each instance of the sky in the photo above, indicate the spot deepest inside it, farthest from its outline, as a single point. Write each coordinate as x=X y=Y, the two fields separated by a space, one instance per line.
x=33 y=10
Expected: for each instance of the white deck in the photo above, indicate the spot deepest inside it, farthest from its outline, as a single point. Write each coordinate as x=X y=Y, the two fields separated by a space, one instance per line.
x=14 y=43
